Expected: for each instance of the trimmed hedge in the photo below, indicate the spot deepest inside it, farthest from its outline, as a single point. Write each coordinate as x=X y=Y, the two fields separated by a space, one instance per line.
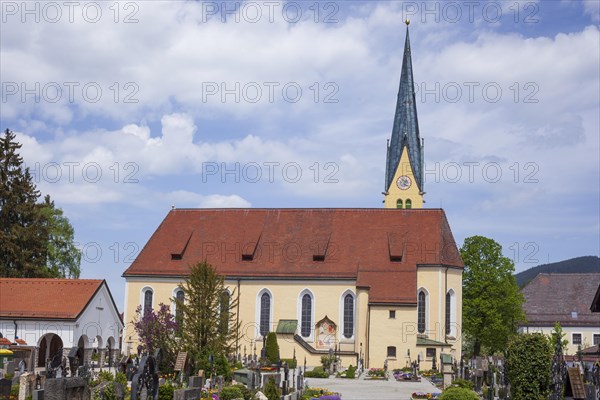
x=529 y=363
x=231 y=393
x=457 y=393
x=317 y=372
x=272 y=348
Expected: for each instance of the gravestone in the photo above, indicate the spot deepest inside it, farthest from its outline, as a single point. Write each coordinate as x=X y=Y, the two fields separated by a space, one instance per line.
x=195 y=382
x=144 y=384
x=590 y=392
x=26 y=385
x=575 y=384
x=10 y=367
x=117 y=388
x=65 y=389
x=5 y=385
x=180 y=362
x=187 y=394
x=38 y=394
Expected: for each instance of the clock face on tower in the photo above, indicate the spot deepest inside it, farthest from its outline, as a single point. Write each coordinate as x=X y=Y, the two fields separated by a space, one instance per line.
x=403 y=182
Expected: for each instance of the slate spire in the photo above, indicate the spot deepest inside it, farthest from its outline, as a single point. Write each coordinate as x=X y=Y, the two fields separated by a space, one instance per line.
x=405 y=132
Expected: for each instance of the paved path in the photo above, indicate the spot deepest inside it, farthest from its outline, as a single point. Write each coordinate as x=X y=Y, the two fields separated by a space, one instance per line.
x=360 y=389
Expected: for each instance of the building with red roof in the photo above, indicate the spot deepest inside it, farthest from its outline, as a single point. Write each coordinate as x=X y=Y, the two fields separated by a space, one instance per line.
x=379 y=286
x=55 y=314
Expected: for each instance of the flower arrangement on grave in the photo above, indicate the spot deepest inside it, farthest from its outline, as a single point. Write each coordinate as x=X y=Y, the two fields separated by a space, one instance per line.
x=321 y=394
x=423 y=395
x=376 y=372
x=212 y=394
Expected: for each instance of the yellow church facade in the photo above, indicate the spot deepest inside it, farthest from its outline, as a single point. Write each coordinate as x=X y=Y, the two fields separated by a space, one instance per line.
x=376 y=286
x=380 y=286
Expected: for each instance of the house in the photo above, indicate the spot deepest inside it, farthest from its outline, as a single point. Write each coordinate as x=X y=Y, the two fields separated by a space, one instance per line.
x=566 y=299
x=55 y=314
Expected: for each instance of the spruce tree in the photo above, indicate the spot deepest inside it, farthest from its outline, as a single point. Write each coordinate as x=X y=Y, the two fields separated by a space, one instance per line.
x=210 y=327
x=23 y=233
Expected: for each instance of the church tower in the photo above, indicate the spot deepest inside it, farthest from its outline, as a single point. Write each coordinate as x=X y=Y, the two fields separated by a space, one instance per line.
x=404 y=164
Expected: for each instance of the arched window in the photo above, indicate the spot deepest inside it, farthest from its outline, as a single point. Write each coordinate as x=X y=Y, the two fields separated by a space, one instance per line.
x=148 y=293
x=399 y=203
x=224 y=312
x=179 y=296
x=421 y=311
x=348 y=316
x=408 y=204
x=450 y=311
x=306 y=317
x=265 y=313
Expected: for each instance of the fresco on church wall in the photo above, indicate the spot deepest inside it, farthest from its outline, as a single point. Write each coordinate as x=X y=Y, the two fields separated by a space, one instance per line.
x=326 y=332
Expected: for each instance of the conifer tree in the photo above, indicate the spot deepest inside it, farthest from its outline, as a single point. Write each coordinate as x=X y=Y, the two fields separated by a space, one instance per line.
x=23 y=233
x=210 y=327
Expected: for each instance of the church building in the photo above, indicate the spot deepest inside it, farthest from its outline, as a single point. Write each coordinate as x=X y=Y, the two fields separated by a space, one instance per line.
x=377 y=285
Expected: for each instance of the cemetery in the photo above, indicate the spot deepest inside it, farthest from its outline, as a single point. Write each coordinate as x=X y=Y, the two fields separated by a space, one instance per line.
x=251 y=377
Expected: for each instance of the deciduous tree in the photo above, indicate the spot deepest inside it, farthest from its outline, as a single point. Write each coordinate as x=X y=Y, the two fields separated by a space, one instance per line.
x=62 y=257
x=492 y=303
x=156 y=330
x=36 y=240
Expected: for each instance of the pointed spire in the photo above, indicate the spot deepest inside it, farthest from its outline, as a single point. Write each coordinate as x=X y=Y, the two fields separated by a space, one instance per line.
x=405 y=132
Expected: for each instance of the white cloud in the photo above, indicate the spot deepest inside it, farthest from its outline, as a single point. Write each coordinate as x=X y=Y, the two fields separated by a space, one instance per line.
x=171 y=60
x=592 y=8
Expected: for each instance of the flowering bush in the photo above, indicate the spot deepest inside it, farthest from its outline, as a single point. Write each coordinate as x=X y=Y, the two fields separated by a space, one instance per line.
x=156 y=330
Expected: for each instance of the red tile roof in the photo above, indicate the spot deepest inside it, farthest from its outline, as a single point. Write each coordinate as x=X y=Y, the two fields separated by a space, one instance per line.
x=563 y=298
x=5 y=342
x=45 y=298
x=365 y=245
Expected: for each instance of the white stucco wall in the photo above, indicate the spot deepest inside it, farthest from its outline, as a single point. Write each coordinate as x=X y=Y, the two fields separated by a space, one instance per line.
x=99 y=319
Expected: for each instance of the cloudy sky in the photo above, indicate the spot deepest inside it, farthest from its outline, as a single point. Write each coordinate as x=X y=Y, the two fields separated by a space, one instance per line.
x=125 y=109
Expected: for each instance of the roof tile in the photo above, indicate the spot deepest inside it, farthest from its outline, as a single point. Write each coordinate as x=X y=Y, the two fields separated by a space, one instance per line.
x=304 y=244
x=45 y=298
x=563 y=298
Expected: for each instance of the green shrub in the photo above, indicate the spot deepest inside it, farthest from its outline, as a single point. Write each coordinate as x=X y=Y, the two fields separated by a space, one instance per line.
x=110 y=393
x=166 y=392
x=271 y=391
x=272 y=348
x=529 y=363
x=458 y=393
x=462 y=383
x=105 y=376
x=230 y=393
x=245 y=391
x=121 y=378
x=317 y=372
x=326 y=362
x=14 y=390
x=351 y=372
x=292 y=363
